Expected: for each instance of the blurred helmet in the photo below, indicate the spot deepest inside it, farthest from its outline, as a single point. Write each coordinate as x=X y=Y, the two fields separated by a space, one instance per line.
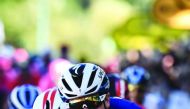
x=23 y=97
x=81 y=80
x=135 y=75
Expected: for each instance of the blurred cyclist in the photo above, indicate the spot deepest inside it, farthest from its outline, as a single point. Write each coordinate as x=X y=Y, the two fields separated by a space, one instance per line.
x=83 y=86
x=50 y=79
x=137 y=78
x=23 y=97
x=118 y=86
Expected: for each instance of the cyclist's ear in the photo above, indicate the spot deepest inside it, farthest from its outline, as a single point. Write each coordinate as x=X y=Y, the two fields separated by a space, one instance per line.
x=107 y=96
x=107 y=101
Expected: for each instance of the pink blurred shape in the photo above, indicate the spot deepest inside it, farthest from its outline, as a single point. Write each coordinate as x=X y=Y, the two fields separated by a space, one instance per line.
x=21 y=55
x=55 y=69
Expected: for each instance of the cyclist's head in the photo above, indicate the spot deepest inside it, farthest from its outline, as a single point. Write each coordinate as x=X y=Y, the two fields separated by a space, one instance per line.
x=23 y=97
x=84 y=85
x=137 y=78
x=136 y=75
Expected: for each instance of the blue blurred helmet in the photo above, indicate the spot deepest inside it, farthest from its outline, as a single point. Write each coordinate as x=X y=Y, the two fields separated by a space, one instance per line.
x=135 y=75
x=23 y=97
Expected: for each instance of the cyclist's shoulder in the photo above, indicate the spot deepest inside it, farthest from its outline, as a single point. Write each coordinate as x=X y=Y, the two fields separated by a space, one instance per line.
x=117 y=102
x=48 y=92
x=50 y=95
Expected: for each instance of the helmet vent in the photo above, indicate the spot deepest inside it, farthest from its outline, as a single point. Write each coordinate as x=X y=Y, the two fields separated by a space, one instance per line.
x=77 y=74
x=60 y=92
x=18 y=93
x=78 y=79
x=70 y=95
x=66 y=85
x=92 y=78
x=91 y=90
x=28 y=97
x=104 y=82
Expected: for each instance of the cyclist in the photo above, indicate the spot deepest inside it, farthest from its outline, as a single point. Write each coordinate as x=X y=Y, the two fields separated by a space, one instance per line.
x=137 y=78
x=23 y=97
x=83 y=86
x=118 y=86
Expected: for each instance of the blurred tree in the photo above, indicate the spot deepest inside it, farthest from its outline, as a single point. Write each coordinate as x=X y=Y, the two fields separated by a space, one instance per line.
x=143 y=24
x=85 y=4
x=19 y=19
x=78 y=23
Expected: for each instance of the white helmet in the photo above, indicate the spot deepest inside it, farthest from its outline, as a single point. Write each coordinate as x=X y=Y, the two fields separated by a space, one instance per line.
x=83 y=79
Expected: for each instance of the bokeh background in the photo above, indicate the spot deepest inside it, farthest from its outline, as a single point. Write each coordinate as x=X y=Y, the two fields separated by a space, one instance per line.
x=115 y=34
x=103 y=26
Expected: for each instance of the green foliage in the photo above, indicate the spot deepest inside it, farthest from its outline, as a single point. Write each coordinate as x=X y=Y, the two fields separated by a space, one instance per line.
x=86 y=22
x=19 y=19
x=143 y=24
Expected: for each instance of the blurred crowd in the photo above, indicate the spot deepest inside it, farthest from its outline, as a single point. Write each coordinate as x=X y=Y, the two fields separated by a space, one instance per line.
x=160 y=80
